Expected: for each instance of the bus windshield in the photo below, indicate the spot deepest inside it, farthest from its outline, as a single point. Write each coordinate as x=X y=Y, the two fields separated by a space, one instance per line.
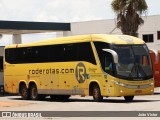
x=134 y=62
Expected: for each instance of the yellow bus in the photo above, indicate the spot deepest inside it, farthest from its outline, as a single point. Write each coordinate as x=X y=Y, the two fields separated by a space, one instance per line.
x=97 y=65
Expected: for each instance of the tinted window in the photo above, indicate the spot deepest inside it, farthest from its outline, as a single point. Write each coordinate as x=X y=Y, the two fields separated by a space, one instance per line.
x=51 y=53
x=148 y=38
x=104 y=57
x=158 y=35
x=85 y=53
x=55 y=53
x=70 y=52
x=99 y=46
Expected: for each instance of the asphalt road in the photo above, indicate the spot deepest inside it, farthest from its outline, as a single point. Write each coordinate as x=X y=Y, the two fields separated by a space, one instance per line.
x=80 y=104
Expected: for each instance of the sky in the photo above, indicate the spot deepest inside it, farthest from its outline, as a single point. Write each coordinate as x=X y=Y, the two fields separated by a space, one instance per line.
x=59 y=11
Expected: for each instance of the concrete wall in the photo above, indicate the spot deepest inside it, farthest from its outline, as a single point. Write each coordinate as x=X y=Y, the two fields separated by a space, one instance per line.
x=151 y=26
x=93 y=27
x=16 y=39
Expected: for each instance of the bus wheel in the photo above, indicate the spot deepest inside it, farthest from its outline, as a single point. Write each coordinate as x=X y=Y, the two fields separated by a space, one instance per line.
x=34 y=93
x=24 y=92
x=128 y=98
x=97 y=94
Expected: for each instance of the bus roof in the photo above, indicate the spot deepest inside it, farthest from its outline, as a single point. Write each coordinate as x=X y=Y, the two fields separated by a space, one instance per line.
x=111 y=39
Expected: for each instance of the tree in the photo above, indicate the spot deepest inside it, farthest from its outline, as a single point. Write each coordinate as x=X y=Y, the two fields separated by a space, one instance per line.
x=129 y=15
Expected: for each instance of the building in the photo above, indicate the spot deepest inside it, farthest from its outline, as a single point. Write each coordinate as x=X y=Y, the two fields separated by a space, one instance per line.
x=16 y=28
x=149 y=31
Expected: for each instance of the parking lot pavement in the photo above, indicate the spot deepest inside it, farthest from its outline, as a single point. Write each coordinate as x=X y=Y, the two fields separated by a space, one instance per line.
x=157 y=90
x=77 y=103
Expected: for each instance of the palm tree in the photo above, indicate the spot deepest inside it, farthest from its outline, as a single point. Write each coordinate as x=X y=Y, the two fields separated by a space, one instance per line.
x=129 y=15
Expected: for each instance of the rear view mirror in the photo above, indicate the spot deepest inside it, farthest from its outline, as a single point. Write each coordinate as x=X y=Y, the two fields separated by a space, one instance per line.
x=114 y=54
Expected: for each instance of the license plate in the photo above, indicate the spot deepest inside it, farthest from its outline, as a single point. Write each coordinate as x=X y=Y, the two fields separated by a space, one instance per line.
x=138 y=91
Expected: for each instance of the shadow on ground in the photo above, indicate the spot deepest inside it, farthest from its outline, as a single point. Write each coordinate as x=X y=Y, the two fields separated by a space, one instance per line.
x=105 y=100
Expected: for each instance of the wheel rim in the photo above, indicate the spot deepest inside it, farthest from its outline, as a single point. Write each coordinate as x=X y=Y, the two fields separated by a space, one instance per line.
x=24 y=92
x=95 y=93
x=34 y=93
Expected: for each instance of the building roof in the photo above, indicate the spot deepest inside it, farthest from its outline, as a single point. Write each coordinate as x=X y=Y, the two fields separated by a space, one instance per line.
x=24 y=27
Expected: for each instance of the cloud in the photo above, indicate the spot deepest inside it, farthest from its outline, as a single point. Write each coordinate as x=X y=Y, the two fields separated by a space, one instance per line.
x=5 y=40
x=55 y=10
x=153 y=7
x=78 y=10
x=60 y=11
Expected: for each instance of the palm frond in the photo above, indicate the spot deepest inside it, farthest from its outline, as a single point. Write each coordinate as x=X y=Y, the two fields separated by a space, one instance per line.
x=129 y=14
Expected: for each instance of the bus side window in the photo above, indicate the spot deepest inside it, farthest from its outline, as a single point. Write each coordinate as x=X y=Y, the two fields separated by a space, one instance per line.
x=108 y=63
x=70 y=52
x=85 y=53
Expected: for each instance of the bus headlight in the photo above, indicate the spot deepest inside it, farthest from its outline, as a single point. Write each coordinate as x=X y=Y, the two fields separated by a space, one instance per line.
x=119 y=83
x=152 y=83
x=133 y=86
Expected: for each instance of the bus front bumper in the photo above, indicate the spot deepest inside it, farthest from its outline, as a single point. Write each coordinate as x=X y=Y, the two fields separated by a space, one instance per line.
x=133 y=90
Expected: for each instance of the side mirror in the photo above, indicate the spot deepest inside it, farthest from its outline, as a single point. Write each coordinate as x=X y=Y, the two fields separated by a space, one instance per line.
x=114 y=54
x=156 y=55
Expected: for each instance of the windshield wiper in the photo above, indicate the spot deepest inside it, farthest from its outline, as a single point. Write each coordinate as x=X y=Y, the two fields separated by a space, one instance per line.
x=141 y=69
x=130 y=74
x=140 y=73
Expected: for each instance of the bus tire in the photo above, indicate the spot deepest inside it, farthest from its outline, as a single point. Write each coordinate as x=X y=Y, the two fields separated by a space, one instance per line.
x=24 y=92
x=34 y=93
x=97 y=94
x=128 y=98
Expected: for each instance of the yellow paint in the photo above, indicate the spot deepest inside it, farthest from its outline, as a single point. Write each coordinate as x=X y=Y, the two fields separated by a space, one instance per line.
x=45 y=77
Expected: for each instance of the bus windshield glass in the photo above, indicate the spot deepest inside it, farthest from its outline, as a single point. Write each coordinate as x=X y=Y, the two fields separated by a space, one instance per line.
x=134 y=62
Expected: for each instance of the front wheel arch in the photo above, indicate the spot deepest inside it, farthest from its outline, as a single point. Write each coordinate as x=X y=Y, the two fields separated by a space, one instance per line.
x=91 y=86
x=95 y=91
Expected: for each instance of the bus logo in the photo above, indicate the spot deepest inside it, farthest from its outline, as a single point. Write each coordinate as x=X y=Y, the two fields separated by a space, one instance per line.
x=127 y=39
x=80 y=72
